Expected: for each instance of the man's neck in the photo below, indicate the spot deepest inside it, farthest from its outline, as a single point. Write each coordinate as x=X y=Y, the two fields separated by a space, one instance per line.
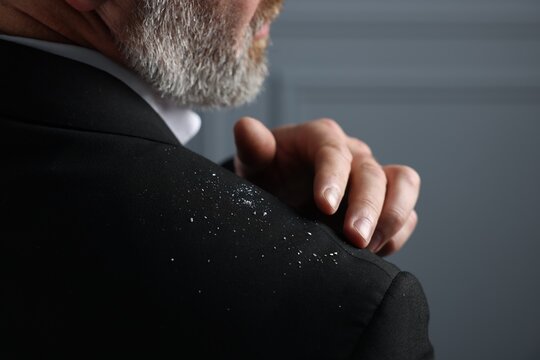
x=56 y=21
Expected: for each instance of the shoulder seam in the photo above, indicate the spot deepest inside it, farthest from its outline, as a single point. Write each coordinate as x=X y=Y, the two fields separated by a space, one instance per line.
x=360 y=258
x=380 y=304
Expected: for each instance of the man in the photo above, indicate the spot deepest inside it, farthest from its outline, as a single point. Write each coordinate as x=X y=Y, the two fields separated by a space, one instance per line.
x=115 y=238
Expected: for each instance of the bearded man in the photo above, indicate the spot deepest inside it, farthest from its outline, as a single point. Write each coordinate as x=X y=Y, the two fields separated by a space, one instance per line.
x=118 y=240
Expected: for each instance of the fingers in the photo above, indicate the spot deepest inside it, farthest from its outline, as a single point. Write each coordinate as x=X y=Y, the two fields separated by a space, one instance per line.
x=366 y=200
x=401 y=196
x=331 y=157
x=398 y=240
x=340 y=161
x=380 y=212
x=255 y=144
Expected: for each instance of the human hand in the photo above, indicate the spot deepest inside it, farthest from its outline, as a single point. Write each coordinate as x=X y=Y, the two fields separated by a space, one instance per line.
x=317 y=165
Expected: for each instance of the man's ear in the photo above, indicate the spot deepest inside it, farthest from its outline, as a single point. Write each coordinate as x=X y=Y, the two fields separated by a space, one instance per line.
x=85 y=5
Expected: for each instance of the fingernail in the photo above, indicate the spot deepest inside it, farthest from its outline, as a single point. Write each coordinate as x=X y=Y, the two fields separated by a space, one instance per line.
x=363 y=226
x=376 y=242
x=332 y=197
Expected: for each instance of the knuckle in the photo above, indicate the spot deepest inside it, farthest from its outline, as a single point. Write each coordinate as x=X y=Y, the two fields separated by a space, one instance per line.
x=410 y=176
x=394 y=218
x=373 y=169
x=414 y=217
x=370 y=207
x=330 y=124
x=413 y=220
x=329 y=149
x=361 y=147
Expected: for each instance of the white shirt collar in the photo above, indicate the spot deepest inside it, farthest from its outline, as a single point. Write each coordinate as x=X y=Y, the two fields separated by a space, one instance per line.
x=183 y=123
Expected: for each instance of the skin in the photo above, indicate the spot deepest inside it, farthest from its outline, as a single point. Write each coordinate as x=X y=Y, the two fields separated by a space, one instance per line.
x=312 y=165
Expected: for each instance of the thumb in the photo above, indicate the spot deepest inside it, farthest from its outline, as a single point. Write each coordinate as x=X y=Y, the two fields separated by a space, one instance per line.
x=255 y=146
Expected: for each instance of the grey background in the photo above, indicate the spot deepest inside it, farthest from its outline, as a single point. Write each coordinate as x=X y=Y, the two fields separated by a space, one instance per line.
x=451 y=88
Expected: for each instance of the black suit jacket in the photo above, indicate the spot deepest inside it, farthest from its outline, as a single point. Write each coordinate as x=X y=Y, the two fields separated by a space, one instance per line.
x=116 y=240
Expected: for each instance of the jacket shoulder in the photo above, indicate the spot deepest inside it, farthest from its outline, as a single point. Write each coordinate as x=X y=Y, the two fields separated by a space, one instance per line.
x=399 y=327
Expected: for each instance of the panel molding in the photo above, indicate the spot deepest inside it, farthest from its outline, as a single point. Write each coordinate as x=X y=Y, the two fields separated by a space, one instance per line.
x=472 y=19
x=291 y=90
x=403 y=30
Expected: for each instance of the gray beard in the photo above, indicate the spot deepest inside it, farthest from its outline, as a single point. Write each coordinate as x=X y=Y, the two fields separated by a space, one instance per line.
x=189 y=54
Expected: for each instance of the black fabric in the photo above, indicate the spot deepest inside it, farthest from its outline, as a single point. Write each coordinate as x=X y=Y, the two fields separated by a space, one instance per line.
x=404 y=303
x=118 y=241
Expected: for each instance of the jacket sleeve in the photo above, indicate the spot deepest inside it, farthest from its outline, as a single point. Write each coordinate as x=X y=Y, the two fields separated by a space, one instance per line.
x=399 y=327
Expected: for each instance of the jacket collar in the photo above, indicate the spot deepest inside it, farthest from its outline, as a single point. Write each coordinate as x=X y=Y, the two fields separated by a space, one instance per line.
x=46 y=89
